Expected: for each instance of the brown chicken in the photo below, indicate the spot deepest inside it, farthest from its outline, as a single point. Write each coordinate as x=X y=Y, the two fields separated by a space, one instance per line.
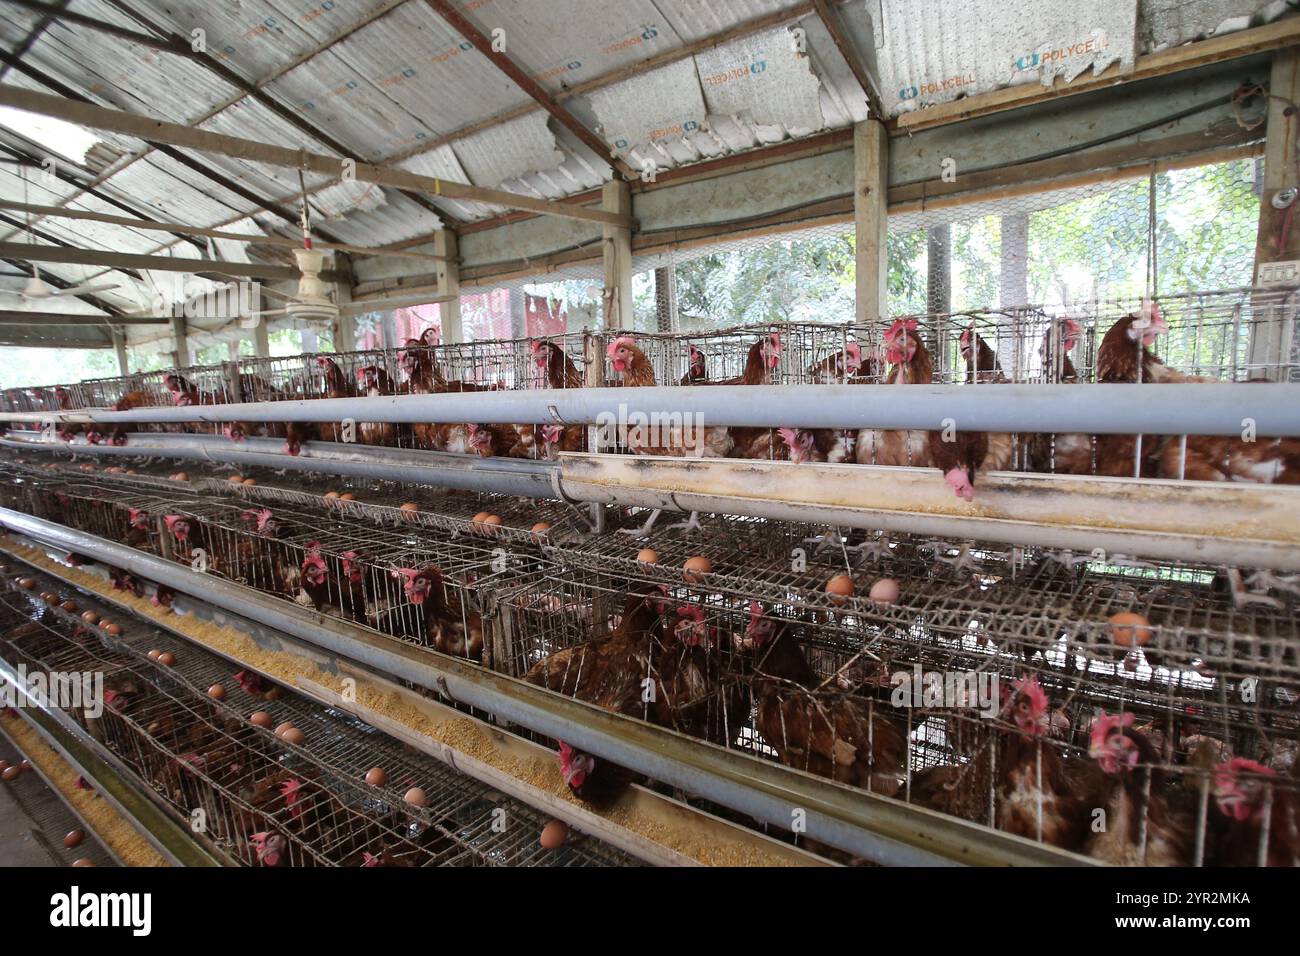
x=1146 y=823
x=609 y=672
x=824 y=731
x=1064 y=454
x=697 y=371
x=336 y=386
x=690 y=696
x=449 y=626
x=960 y=454
x=672 y=440
x=1242 y=792
x=812 y=444
x=374 y=382
x=911 y=365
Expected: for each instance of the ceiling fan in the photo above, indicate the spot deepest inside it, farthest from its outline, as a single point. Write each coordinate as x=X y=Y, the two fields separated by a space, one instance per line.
x=36 y=287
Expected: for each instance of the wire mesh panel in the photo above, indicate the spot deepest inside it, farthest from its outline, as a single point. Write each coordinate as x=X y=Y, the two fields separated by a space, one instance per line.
x=964 y=677
x=258 y=799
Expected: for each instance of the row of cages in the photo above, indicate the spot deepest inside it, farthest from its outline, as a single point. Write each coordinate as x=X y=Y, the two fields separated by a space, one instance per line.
x=1209 y=335
x=1024 y=689
x=250 y=795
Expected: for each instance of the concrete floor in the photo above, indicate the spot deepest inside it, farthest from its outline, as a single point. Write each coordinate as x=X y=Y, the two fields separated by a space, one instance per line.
x=34 y=819
x=20 y=843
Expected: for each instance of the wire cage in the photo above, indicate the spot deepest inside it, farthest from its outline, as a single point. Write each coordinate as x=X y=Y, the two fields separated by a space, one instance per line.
x=258 y=800
x=430 y=583
x=1206 y=660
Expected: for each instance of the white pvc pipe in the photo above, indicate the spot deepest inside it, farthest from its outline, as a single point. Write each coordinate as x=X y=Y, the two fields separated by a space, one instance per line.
x=1218 y=408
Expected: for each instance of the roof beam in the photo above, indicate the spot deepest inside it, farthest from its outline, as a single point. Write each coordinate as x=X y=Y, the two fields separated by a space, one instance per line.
x=520 y=77
x=180 y=47
x=14 y=340
x=57 y=212
x=221 y=180
x=257 y=91
x=40 y=319
x=116 y=260
x=20 y=226
x=844 y=43
x=59 y=171
x=35 y=33
x=176 y=135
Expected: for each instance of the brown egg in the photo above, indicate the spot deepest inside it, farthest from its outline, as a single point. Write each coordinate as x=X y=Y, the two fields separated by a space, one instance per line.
x=154 y=654
x=68 y=606
x=416 y=797
x=410 y=506
x=4 y=765
x=376 y=777
x=347 y=496
x=647 y=556
x=539 y=530
x=554 y=834
x=260 y=718
x=82 y=862
x=166 y=658
x=27 y=583
x=48 y=597
x=695 y=568
x=331 y=495
x=11 y=773
x=114 y=629
x=839 y=588
x=217 y=692
x=279 y=731
x=491 y=524
x=90 y=617
x=181 y=476
x=294 y=736
x=249 y=481
x=1128 y=629
x=236 y=479
x=74 y=838
x=25 y=765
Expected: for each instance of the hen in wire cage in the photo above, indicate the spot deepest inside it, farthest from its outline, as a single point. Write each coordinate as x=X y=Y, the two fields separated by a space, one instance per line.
x=1020 y=689
x=262 y=799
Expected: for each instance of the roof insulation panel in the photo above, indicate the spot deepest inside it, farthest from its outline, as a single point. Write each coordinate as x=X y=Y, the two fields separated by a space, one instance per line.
x=933 y=54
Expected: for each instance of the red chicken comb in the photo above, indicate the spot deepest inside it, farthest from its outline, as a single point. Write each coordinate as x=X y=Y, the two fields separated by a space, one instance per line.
x=1072 y=328
x=408 y=573
x=623 y=341
x=789 y=436
x=170 y=521
x=552 y=433
x=693 y=611
x=1113 y=755
x=755 y=612
x=899 y=326
x=854 y=351
x=1029 y=686
x=263 y=518
x=431 y=336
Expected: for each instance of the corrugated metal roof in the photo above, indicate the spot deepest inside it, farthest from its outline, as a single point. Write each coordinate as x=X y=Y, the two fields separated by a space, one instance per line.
x=387 y=76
